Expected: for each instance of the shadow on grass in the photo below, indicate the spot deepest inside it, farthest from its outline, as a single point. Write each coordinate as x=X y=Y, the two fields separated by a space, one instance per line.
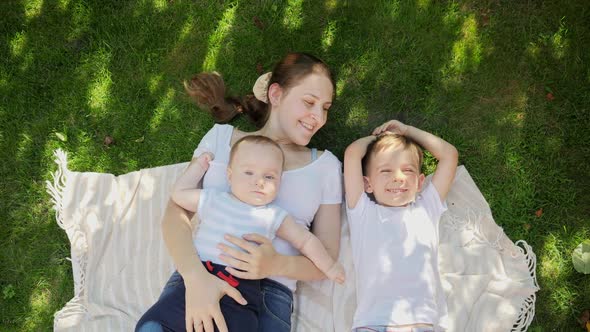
x=475 y=73
x=84 y=70
x=523 y=148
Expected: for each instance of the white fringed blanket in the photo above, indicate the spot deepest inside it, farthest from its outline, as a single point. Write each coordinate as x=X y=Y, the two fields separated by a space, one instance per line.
x=120 y=263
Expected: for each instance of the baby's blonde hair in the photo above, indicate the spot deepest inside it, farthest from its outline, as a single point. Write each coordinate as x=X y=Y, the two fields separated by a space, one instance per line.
x=388 y=140
x=259 y=140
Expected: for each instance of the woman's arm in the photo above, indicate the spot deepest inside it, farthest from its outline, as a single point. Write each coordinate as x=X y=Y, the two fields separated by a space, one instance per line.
x=203 y=290
x=177 y=231
x=261 y=260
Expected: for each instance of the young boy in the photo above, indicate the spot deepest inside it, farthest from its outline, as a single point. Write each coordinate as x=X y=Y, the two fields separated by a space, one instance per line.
x=254 y=174
x=395 y=237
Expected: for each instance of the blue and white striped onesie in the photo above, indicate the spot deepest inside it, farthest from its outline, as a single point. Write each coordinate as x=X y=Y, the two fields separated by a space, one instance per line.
x=221 y=213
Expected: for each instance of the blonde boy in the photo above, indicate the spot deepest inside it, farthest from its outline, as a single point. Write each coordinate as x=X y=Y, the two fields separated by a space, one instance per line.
x=395 y=237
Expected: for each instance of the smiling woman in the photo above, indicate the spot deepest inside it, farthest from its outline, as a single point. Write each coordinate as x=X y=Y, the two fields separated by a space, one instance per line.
x=298 y=93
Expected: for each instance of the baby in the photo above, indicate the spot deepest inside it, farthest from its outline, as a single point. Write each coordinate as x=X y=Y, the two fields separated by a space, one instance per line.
x=394 y=235
x=254 y=174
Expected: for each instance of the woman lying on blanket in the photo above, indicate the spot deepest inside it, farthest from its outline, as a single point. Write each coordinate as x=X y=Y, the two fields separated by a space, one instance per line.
x=292 y=108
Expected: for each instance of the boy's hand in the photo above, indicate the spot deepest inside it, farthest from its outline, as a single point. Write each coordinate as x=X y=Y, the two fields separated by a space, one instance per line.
x=336 y=273
x=204 y=160
x=393 y=126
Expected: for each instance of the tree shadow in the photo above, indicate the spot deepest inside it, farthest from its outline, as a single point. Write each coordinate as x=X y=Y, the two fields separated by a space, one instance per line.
x=66 y=82
x=523 y=146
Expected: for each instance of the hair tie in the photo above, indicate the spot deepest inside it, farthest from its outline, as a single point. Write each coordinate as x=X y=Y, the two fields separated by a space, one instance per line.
x=261 y=86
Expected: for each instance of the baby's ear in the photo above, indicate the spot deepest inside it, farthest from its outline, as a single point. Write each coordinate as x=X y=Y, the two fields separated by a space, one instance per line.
x=228 y=174
x=368 y=187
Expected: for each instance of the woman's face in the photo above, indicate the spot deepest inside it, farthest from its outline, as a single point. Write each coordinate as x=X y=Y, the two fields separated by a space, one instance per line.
x=303 y=109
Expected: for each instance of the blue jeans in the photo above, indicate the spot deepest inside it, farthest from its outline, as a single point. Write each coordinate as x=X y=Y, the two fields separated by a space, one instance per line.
x=277 y=307
x=269 y=308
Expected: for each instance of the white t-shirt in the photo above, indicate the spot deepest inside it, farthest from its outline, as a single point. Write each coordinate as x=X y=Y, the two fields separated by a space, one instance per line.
x=395 y=253
x=221 y=213
x=301 y=193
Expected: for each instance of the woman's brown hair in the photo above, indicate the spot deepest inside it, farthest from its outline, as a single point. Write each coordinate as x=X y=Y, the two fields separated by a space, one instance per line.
x=209 y=92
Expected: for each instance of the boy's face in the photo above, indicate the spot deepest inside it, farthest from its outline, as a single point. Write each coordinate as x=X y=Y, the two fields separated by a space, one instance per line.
x=254 y=174
x=393 y=176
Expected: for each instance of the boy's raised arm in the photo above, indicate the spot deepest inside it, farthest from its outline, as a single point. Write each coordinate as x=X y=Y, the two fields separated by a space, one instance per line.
x=353 y=170
x=184 y=191
x=446 y=154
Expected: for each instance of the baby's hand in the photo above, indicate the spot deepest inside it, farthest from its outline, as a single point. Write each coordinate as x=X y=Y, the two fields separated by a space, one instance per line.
x=393 y=126
x=204 y=160
x=336 y=273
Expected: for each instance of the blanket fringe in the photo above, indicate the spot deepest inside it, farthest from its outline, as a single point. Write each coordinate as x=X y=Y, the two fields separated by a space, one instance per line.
x=70 y=315
x=56 y=189
x=527 y=312
x=474 y=221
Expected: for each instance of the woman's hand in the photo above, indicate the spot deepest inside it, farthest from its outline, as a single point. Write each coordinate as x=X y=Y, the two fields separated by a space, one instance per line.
x=393 y=126
x=258 y=262
x=202 y=302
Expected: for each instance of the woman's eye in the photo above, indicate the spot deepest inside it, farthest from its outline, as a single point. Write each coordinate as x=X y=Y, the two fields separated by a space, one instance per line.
x=385 y=171
x=269 y=177
x=308 y=103
x=248 y=173
x=409 y=170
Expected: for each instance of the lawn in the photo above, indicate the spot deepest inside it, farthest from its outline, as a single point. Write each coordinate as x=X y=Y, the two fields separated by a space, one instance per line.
x=507 y=82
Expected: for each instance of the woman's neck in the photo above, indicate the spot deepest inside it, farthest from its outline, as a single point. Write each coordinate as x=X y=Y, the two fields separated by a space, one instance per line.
x=274 y=133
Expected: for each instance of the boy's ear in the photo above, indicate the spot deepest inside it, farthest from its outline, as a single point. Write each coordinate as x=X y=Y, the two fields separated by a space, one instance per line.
x=421 y=179
x=368 y=187
x=274 y=93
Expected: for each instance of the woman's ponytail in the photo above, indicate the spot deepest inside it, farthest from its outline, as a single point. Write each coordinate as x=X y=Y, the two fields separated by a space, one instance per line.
x=208 y=91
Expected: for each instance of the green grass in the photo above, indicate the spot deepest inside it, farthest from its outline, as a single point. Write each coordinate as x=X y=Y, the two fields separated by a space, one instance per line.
x=475 y=72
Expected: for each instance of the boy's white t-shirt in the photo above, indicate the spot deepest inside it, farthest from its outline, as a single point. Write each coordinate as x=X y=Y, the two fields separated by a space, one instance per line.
x=395 y=253
x=221 y=213
x=301 y=193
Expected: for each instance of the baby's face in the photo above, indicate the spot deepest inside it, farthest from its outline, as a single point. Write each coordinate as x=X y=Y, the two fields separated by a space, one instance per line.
x=394 y=176
x=254 y=174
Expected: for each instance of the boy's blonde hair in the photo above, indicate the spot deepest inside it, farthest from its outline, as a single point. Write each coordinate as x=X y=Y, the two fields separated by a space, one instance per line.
x=388 y=140
x=259 y=140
